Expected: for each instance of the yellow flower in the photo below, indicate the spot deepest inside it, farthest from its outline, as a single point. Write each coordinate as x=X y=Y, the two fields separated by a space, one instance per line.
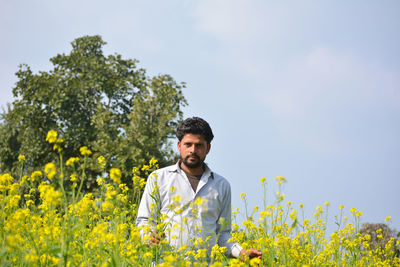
x=148 y=255
x=388 y=219
x=146 y=168
x=152 y=162
x=107 y=206
x=100 y=181
x=172 y=189
x=110 y=192
x=74 y=177
x=50 y=170
x=21 y=158
x=242 y=195
x=280 y=179
x=115 y=175
x=6 y=179
x=353 y=211
x=31 y=258
x=169 y=258
x=255 y=262
x=152 y=206
x=57 y=147
x=199 y=201
x=85 y=151
x=35 y=175
x=124 y=188
x=57 y=143
x=177 y=199
x=135 y=170
x=51 y=136
x=71 y=161
x=49 y=195
x=293 y=215
x=142 y=182
x=102 y=162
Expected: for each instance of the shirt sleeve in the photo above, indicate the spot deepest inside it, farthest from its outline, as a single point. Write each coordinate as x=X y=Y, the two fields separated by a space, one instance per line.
x=145 y=211
x=224 y=226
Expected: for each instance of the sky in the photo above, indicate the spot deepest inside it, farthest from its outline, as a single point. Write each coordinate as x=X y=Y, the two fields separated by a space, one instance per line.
x=307 y=90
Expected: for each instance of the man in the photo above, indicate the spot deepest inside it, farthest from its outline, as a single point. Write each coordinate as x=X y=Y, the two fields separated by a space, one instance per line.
x=195 y=201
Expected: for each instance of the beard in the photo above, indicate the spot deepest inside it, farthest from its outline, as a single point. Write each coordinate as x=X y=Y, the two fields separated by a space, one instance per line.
x=192 y=165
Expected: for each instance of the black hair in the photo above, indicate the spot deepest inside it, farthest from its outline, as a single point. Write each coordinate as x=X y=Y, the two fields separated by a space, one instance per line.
x=195 y=125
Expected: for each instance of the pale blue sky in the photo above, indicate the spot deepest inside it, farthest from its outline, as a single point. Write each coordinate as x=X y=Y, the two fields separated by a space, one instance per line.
x=309 y=90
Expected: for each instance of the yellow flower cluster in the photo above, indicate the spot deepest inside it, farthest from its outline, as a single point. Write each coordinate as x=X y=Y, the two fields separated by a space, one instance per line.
x=102 y=162
x=85 y=151
x=52 y=138
x=49 y=196
x=50 y=169
x=115 y=175
x=72 y=161
x=21 y=158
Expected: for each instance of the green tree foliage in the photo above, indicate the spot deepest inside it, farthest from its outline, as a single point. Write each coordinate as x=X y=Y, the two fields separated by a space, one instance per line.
x=103 y=102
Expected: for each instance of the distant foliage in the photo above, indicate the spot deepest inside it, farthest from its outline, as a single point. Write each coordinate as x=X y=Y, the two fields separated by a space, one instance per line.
x=105 y=102
x=380 y=235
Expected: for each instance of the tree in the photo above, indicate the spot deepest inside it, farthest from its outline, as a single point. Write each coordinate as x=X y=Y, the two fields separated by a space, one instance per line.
x=105 y=103
x=379 y=235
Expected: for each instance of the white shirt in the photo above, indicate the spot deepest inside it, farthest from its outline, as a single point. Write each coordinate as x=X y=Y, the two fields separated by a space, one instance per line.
x=208 y=215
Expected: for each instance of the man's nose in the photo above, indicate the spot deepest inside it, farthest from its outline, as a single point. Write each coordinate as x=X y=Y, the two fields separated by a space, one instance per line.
x=192 y=149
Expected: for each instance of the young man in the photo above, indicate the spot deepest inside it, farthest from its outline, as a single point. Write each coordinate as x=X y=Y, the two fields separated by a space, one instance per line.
x=195 y=201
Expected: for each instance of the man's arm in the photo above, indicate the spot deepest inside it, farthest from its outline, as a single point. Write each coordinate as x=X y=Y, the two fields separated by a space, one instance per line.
x=145 y=212
x=224 y=226
x=224 y=229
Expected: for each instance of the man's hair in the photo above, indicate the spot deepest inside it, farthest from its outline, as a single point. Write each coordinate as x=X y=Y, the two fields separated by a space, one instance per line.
x=195 y=125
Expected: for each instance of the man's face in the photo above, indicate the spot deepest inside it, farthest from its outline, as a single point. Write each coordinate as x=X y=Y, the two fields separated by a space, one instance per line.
x=193 y=149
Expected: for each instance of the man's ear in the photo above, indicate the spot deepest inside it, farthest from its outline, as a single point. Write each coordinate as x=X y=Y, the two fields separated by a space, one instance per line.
x=208 y=147
x=179 y=145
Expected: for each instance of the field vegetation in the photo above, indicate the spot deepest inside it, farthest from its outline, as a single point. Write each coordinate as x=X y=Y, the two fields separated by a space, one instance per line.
x=48 y=219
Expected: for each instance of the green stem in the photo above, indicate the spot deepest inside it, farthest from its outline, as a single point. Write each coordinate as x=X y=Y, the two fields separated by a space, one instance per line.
x=83 y=177
x=61 y=181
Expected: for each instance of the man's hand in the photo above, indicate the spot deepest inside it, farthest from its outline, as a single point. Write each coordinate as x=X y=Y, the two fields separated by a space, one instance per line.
x=250 y=253
x=155 y=239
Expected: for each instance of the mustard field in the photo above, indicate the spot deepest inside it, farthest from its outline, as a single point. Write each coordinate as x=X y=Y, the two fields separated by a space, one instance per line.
x=47 y=219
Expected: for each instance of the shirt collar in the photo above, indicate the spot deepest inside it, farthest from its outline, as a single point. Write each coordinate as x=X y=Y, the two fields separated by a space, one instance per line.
x=207 y=170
